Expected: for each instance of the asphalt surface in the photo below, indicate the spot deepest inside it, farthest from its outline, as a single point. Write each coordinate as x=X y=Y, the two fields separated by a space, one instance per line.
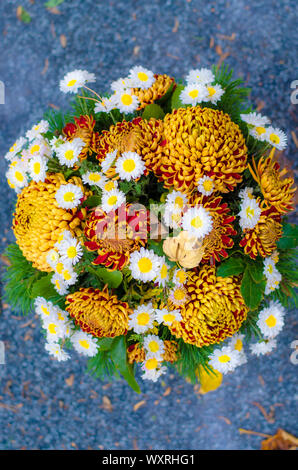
x=49 y=405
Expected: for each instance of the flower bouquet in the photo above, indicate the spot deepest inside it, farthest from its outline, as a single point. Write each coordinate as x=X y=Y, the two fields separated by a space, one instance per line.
x=150 y=226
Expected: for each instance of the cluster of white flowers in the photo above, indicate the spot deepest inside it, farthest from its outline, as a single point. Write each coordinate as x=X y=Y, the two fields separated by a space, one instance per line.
x=250 y=210
x=59 y=327
x=273 y=276
x=260 y=128
x=230 y=356
x=201 y=87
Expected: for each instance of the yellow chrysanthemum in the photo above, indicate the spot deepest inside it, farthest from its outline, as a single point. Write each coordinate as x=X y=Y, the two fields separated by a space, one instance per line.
x=277 y=190
x=157 y=90
x=98 y=313
x=201 y=142
x=38 y=220
x=214 y=311
x=135 y=353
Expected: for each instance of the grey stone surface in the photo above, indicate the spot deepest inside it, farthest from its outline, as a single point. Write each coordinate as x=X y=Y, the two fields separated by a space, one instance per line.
x=39 y=407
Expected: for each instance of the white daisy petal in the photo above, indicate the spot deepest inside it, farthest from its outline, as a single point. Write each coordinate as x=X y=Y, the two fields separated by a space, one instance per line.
x=255 y=119
x=73 y=81
x=84 y=343
x=112 y=200
x=204 y=76
x=68 y=153
x=142 y=318
x=271 y=319
x=144 y=265
x=193 y=94
x=130 y=166
x=197 y=221
x=69 y=196
x=141 y=77
x=250 y=213
x=126 y=102
x=54 y=349
x=276 y=137
x=206 y=185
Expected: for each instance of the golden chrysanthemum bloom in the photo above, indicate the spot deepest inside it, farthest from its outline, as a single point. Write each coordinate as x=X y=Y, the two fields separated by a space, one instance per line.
x=159 y=88
x=214 y=311
x=262 y=239
x=138 y=135
x=136 y=353
x=98 y=313
x=38 y=220
x=201 y=142
x=216 y=243
x=83 y=127
x=117 y=234
x=277 y=190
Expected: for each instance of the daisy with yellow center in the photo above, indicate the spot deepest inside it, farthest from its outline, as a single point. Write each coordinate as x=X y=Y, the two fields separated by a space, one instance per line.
x=40 y=128
x=246 y=193
x=43 y=307
x=270 y=270
x=54 y=349
x=38 y=168
x=152 y=369
x=193 y=94
x=71 y=251
x=204 y=76
x=63 y=236
x=17 y=175
x=68 y=153
x=250 y=213
x=15 y=148
x=178 y=296
x=154 y=347
x=121 y=84
x=197 y=222
x=52 y=258
x=225 y=359
x=180 y=277
x=255 y=119
x=142 y=318
x=40 y=147
x=277 y=138
x=130 y=166
x=163 y=273
x=271 y=319
x=166 y=316
x=259 y=133
x=105 y=105
x=236 y=342
x=178 y=199
x=60 y=286
x=68 y=275
x=144 y=265
x=94 y=178
x=73 y=81
x=172 y=216
x=55 y=328
x=141 y=78
x=69 y=196
x=84 y=343
x=126 y=102
x=109 y=185
x=215 y=93
x=112 y=200
x=206 y=185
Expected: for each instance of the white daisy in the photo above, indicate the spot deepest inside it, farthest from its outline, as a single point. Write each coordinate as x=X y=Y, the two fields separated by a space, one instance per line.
x=55 y=328
x=167 y=317
x=40 y=128
x=144 y=265
x=109 y=185
x=109 y=161
x=206 y=185
x=236 y=343
x=180 y=277
x=15 y=148
x=68 y=153
x=152 y=369
x=215 y=93
x=38 y=168
x=44 y=308
x=69 y=276
x=172 y=216
x=39 y=147
x=141 y=77
x=272 y=284
x=246 y=193
x=270 y=270
x=225 y=359
x=105 y=105
x=276 y=137
x=255 y=119
x=197 y=221
x=250 y=213
x=259 y=133
x=126 y=102
x=52 y=258
x=130 y=166
x=71 y=250
x=94 y=178
x=17 y=175
x=263 y=347
x=112 y=200
x=271 y=319
x=204 y=76
x=54 y=349
x=69 y=196
x=178 y=296
x=63 y=235
x=84 y=343
x=142 y=318
x=62 y=316
x=61 y=265
x=55 y=142
x=73 y=81
x=60 y=286
x=193 y=94
x=163 y=272
x=121 y=84
x=154 y=347
x=177 y=198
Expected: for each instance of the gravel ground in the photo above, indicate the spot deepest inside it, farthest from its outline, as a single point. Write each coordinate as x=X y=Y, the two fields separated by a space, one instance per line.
x=47 y=405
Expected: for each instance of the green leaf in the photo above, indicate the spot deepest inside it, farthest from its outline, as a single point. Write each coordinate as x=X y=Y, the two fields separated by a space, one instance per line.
x=153 y=110
x=44 y=288
x=23 y=15
x=112 y=278
x=175 y=100
x=231 y=267
x=105 y=344
x=119 y=356
x=251 y=291
x=256 y=270
x=92 y=201
x=289 y=238
x=53 y=3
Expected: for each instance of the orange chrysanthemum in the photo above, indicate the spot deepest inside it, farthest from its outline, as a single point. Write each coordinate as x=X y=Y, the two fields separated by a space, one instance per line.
x=158 y=89
x=262 y=239
x=219 y=239
x=83 y=127
x=117 y=234
x=98 y=313
x=201 y=141
x=277 y=190
x=138 y=135
x=214 y=311
x=38 y=220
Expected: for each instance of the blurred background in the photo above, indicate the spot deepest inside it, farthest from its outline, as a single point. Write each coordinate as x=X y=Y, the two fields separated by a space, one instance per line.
x=49 y=405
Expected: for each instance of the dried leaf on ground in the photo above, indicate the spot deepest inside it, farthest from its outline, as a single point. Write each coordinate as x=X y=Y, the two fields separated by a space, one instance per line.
x=106 y=403
x=282 y=440
x=63 y=40
x=69 y=381
x=139 y=404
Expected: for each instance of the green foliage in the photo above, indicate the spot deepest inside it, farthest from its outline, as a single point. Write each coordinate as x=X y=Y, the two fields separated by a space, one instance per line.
x=176 y=102
x=153 y=111
x=92 y=201
x=112 y=278
x=23 y=15
x=119 y=357
x=231 y=267
x=53 y=3
x=252 y=291
x=287 y=291
x=190 y=358
x=289 y=238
